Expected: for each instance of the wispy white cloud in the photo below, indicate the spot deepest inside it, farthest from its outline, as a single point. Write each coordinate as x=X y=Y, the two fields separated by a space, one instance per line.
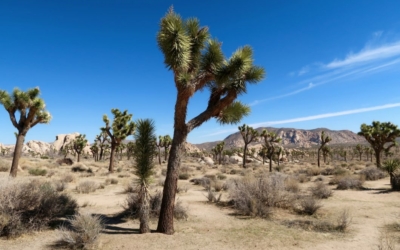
x=310 y=118
x=367 y=55
x=327 y=115
x=374 y=57
x=310 y=86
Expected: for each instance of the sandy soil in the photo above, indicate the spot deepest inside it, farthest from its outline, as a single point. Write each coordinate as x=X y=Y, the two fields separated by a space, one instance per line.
x=215 y=227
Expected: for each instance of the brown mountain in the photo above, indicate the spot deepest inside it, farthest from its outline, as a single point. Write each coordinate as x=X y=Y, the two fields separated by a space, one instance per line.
x=292 y=137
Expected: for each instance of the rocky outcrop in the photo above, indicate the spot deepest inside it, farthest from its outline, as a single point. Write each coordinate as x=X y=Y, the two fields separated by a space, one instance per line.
x=65 y=139
x=293 y=138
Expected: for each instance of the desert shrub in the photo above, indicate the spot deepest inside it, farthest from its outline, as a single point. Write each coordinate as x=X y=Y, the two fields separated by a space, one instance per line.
x=257 y=196
x=4 y=166
x=37 y=172
x=343 y=220
x=180 y=211
x=28 y=206
x=349 y=182
x=84 y=233
x=321 y=191
x=68 y=178
x=79 y=168
x=217 y=186
x=233 y=171
x=184 y=176
x=327 y=171
x=313 y=171
x=373 y=173
x=60 y=186
x=204 y=181
x=86 y=187
x=340 y=171
x=130 y=188
x=221 y=176
x=123 y=176
x=182 y=189
x=303 y=178
x=109 y=181
x=87 y=174
x=292 y=185
x=212 y=197
x=308 y=205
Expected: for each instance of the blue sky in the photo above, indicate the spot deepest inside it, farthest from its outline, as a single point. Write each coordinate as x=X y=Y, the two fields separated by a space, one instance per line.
x=332 y=64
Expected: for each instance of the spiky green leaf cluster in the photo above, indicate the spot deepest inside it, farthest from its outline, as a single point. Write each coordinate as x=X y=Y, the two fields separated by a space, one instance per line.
x=378 y=134
x=121 y=127
x=79 y=143
x=248 y=133
x=30 y=106
x=144 y=150
x=233 y=113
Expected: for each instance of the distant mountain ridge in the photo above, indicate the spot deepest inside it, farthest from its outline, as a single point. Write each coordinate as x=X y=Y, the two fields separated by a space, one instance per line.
x=292 y=137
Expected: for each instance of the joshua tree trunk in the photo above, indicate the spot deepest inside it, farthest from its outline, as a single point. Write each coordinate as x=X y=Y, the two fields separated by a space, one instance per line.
x=244 y=155
x=101 y=153
x=319 y=156
x=79 y=157
x=159 y=156
x=166 y=220
x=17 y=154
x=112 y=155
x=270 y=164
x=144 y=210
x=378 y=158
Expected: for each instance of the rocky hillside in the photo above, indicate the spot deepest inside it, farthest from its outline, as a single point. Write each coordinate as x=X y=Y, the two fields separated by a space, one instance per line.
x=293 y=138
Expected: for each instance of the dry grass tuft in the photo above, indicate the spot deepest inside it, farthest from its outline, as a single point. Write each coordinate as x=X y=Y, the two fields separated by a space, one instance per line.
x=373 y=173
x=321 y=191
x=86 y=187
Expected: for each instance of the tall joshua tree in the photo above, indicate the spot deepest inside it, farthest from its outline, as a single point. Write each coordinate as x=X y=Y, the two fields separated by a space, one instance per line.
x=324 y=140
x=121 y=127
x=381 y=137
x=32 y=112
x=102 y=139
x=270 y=139
x=78 y=144
x=219 y=148
x=130 y=146
x=249 y=135
x=197 y=63
x=143 y=153
x=359 y=150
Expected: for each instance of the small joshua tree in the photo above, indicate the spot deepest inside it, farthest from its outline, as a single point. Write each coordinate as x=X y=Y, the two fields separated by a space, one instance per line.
x=143 y=153
x=130 y=146
x=167 y=141
x=121 y=127
x=219 y=148
x=249 y=135
x=270 y=139
x=159 y=145
x=325 y=152
x=381 y=137
x=95 y=152
x=31 y=110
x=359 y=150
x=102 y=139
x=78 y=144
x=324 y=141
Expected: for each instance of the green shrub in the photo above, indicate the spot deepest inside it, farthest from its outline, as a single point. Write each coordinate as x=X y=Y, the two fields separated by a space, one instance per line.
x=37 y=172
x=184 y=176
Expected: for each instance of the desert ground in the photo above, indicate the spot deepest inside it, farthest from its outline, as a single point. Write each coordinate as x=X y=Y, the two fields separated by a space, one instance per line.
x=372 y=211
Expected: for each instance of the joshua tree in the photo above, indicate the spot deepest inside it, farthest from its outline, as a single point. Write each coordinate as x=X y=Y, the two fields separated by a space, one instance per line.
x=102 y=139
x=119 y=150
x=381 y=137
x=95 y=152
x=32 y=111
x=66 y=149
x=167 y=141
x=249 y=135
x=121 y=127
x=270 y=139
x=78 y=144
x=359 y=150
x=143 y=153
x=279 y=152
x=159 y=145
x=219 y=148
x=130 y=146
x=263 y=153
x=324 y=141
x=197 y=63
x=392 y=166
x=325 y=152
